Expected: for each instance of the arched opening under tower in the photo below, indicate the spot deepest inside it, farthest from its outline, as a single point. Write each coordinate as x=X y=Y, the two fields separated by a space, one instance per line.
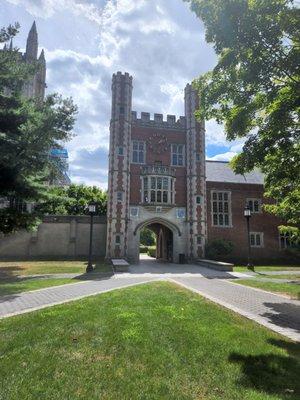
x=161 y=248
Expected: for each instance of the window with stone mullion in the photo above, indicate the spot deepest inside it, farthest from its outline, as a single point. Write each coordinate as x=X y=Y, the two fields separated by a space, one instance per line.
x=177 y=154
x=157 y=189
x=220 y=208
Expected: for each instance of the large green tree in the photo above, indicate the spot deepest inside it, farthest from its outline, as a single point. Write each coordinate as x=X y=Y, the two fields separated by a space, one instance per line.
x=29 y=128
x=73 y=200
x=255 y=90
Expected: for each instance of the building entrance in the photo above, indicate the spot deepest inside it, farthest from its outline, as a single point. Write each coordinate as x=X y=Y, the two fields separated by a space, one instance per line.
x=164 y=242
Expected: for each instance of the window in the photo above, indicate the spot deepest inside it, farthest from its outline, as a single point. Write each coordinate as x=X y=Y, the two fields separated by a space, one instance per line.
x=254 y=205
x=199 y=239
x=138 y=152
x=119 y=196
x=180 y=213
x=256 y=239
x=158 y=209
x=134 y=211
x=198 y=157
x=177 y=154
x=158 y=189
x=17 y=204
x=285 y=240
x=118 y=240
x=198 y=199
x=120 y=151
x=221 y=208
x=122 y=110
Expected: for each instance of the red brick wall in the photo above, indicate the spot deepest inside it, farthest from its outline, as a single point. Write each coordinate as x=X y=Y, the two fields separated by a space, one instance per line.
x=262 y=222
x=143 y=134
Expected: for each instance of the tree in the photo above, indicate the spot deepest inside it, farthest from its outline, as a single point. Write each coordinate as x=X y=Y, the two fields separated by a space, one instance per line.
x=255 y=90
x=28 y=130
x=147 y=237
x=73 y=200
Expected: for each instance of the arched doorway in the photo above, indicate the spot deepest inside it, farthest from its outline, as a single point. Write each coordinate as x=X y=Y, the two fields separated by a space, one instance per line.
x=164 y=232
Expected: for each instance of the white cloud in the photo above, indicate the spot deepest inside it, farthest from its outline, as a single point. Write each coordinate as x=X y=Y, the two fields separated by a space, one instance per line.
x=47 y=8
x=159 y=42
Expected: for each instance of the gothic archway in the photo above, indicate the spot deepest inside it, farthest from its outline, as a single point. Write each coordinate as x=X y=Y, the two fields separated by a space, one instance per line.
x=164 y=231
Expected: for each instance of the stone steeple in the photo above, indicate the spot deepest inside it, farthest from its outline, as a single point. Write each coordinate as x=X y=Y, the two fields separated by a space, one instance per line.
x=32 y=44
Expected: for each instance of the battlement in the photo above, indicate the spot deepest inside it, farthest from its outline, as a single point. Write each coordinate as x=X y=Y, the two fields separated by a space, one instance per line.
x=158 y=121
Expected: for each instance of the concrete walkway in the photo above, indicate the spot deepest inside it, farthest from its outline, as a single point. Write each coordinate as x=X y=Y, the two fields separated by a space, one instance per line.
x=273 y=311
x=29 y=301
x=276 y=312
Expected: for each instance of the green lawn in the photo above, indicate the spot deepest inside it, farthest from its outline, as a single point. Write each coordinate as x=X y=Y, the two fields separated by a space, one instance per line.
x=291 y=267
x=9 y=287
x=295 y=277
x=15 y=268
x=154 y=341
x=288 y=289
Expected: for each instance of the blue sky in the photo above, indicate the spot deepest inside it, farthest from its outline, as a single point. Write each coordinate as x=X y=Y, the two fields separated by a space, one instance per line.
x=159 y=42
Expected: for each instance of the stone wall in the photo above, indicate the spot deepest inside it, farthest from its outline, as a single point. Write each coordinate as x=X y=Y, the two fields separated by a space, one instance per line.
x=58 y=237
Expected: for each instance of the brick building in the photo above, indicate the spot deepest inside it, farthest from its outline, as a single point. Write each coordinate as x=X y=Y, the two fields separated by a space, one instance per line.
x=159 y=178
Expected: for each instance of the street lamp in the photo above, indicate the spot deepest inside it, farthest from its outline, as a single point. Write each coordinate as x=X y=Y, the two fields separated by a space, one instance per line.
x=247 y=215
x=92 y=212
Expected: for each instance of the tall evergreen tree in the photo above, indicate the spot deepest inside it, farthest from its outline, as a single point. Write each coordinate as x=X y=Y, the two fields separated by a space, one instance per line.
x=28 y=130
x=255 y=90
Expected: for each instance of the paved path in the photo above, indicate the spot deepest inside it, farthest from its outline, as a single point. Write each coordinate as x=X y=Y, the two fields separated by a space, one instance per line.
x=35 y=300
x=273 y=311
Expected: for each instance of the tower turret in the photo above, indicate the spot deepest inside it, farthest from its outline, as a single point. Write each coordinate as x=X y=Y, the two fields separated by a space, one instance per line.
x=32 y=44
x=196 y=186
x=41 y=77
x=119 y=165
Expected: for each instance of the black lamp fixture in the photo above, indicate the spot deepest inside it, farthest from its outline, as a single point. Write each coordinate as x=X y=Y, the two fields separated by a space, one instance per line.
x=247 y=215
x=92 y=207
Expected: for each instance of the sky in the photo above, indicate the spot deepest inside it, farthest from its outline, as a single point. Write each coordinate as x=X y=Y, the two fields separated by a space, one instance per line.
x=160 y=43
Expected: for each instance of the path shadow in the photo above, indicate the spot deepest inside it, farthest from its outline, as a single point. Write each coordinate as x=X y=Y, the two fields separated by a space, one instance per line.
x=272 y=374
x=100 y=272
x=285 y=315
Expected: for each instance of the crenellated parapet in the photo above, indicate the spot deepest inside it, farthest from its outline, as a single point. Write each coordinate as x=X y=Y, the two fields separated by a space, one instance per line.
x=158 y=121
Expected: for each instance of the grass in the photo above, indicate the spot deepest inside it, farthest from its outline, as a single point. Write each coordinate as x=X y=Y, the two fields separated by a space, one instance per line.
x=8 y=287
x=281 y=276
x=16 y=268
x=154 y=341
x=288 y=289
x=291 y=267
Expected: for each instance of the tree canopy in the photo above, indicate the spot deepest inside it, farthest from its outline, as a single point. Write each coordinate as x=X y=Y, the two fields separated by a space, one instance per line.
x=28 y=130
x=255 y=90
x=73 y=200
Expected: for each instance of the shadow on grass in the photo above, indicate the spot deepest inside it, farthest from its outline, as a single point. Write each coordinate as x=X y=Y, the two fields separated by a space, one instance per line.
x=272 y=374
x=102 y=270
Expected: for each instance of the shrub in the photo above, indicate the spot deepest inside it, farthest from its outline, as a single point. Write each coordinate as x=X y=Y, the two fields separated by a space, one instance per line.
x=151 y=252
x=143 y=249
x=218 y=248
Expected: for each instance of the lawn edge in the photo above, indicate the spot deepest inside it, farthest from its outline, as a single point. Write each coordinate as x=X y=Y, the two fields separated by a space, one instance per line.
x=265 y=291
x=257 y=319
x=29 y=310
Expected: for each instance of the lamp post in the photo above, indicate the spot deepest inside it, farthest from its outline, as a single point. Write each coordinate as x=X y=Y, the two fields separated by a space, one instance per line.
x=92 y=211
x=247 y=215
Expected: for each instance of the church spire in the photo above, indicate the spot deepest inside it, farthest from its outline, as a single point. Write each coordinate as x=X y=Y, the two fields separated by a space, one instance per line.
x=32 y=44
x=42 y=57
x=11 y=45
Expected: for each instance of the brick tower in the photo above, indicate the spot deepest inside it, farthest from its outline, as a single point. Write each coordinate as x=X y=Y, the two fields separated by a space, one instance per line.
x=156 y=179
x=119 y=166
x=195 y=170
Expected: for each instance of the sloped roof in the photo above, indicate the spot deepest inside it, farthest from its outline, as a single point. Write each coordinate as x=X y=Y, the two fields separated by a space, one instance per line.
x=220 y=171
